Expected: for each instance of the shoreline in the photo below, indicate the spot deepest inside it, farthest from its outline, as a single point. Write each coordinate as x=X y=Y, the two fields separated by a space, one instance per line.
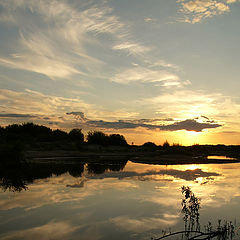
x=115 y=157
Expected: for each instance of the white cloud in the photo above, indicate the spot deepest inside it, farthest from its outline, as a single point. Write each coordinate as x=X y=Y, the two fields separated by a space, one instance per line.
x=51 y=230
x=55 y=39
x=42 y=109
x=142 y=74
x=55 y=36
x=188 y=104
x=43 y=65
x=232 y=1
x=163 y=63
x=195 y=11
x=142 y=224
x=29 y=105
x=131 y=47
x=37 y=103
x=150 y=20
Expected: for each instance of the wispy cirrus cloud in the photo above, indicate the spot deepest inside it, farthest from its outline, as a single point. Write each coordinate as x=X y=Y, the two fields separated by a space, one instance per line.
x=144 y=74
x=52 y=110
x=29 y=105
x=163 y=63
x=131 y=47
x=232 y=1
x=54 y=36
x=138 y=225
x=186 y=103
x=53 y=229
x=150 y=20
x=36 y=103
x=195 y=11
x=18 y=107
x=179 y=110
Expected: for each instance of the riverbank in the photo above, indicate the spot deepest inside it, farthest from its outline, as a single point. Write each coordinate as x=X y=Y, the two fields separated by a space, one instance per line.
x=137 y=157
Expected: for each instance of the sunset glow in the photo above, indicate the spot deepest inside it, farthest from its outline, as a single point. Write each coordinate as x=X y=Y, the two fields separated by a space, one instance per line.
x=165 y=70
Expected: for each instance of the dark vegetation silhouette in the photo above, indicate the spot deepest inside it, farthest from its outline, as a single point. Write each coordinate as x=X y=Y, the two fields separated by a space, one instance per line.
x=100 y=138
x=149 y=145
x=191 y=218
x=100 y=168
x=18 y=139
x=190 y=210
x=33 y=135
x=76 y=135
x=18 y=179
x=166 y=144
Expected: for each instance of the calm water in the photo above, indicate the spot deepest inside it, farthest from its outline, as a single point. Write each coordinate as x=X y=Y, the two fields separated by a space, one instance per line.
x=101 y=202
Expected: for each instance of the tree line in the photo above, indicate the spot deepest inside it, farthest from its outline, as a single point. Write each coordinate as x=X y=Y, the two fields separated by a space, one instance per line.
x=31 y=136
x=31 y=133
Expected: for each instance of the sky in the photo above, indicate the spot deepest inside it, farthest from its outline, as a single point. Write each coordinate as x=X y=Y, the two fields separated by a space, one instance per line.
x=152 y=70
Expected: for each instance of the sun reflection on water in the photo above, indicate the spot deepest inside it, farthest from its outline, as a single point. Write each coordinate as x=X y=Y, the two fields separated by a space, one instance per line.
x=192 y=167
x=139 y=199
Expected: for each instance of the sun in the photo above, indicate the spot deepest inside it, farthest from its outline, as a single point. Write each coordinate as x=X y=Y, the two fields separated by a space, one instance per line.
x=193 y=133
x=189 y=137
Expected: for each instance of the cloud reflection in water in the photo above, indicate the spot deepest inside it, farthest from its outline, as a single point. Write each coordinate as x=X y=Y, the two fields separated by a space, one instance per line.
x=118 y=203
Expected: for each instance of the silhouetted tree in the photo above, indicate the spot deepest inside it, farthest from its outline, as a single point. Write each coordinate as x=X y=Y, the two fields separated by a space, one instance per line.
x=149 y=145
x=97 y=137
x=27 y=132
x=76 y=135
x=59 y=134
x=117 y=140
x=166 y=144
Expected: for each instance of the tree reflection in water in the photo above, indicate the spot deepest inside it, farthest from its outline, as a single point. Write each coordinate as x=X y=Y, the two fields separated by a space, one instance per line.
x=12 y=180
x=100 y=168
x=17 y=178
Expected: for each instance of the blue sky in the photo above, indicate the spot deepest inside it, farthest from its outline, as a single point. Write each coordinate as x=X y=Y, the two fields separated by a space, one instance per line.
x=151 y=70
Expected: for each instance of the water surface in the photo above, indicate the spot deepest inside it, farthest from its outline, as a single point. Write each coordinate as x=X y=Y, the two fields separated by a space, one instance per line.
x=132 y=201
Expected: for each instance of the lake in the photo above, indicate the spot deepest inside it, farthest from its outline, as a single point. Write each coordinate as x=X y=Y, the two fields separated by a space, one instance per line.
x=127 y=201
